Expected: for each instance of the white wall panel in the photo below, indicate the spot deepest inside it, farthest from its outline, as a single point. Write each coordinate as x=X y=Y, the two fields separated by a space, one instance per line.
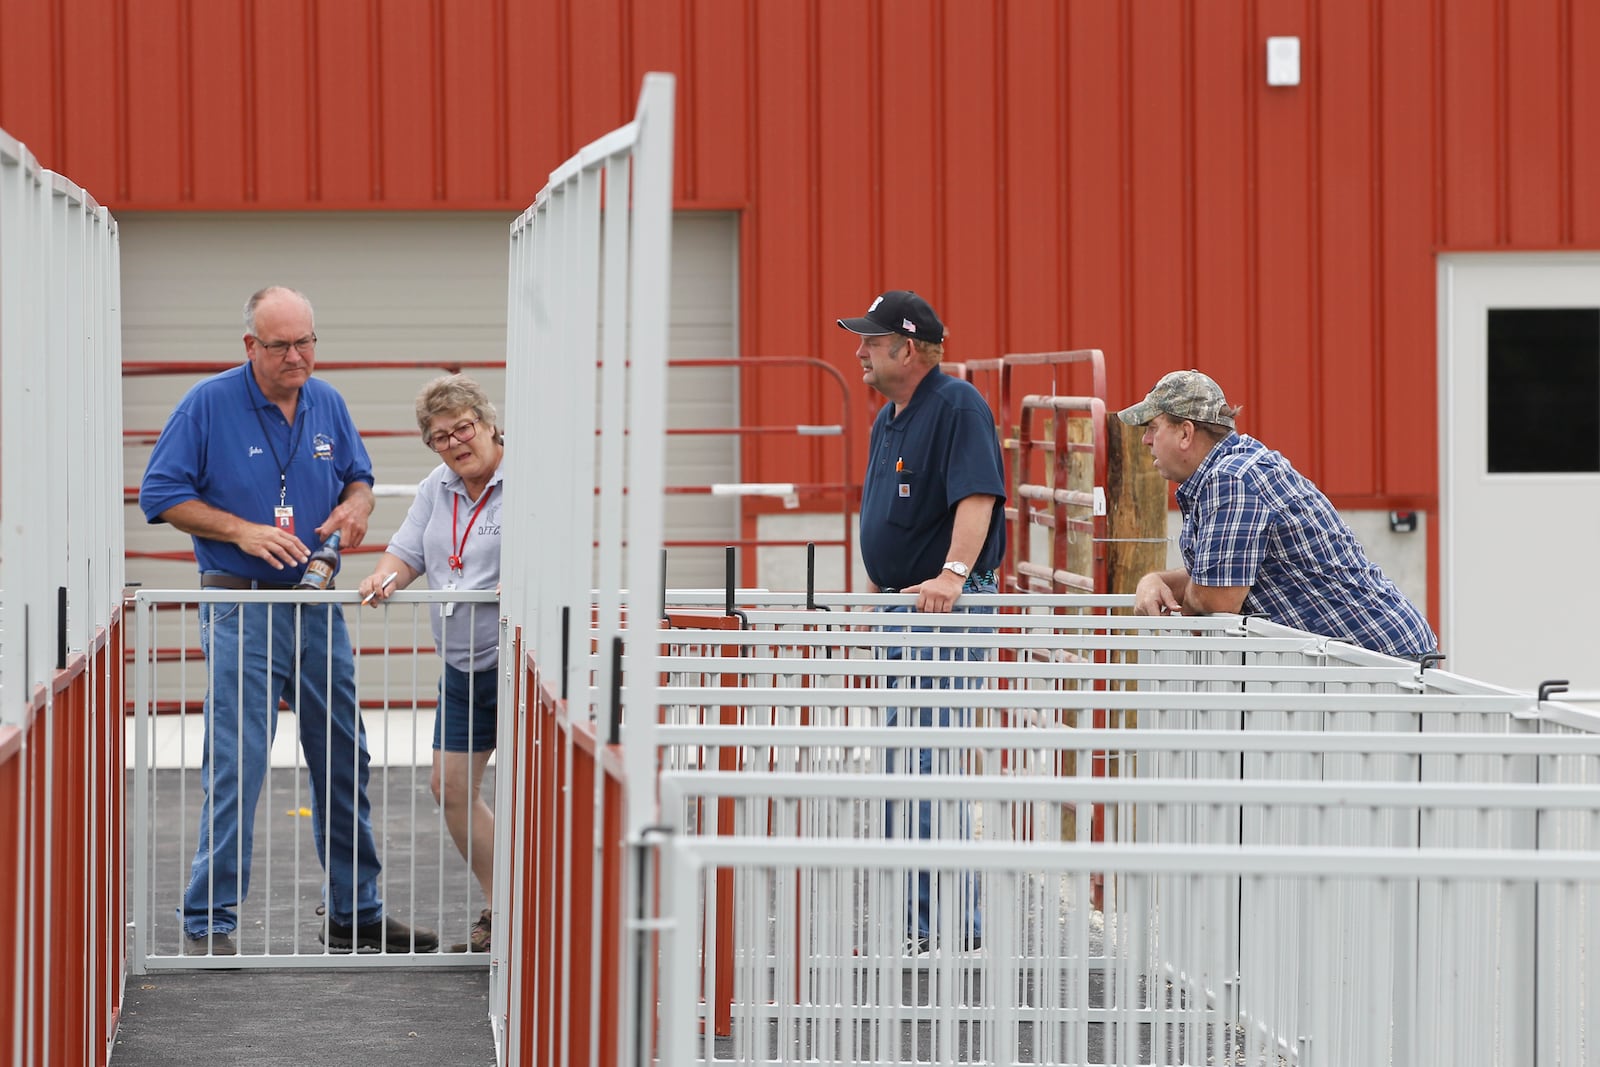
x=402 y=286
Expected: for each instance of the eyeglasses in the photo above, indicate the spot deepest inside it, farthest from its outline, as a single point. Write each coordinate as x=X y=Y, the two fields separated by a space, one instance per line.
x=461 y=431
x=302 y=345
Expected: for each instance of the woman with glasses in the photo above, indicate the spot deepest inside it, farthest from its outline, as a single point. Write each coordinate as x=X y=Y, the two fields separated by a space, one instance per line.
x=452 y=535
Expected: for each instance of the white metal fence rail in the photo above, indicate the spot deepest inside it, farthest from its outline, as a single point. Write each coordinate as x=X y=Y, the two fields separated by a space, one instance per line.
x=60 y=422
x=423 y=880
x=1311 y=854
x=1097 y=990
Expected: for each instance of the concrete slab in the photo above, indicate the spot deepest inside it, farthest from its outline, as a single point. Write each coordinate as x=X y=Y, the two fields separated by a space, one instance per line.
x=348 y=1013
x=425 y=880
x=250 y=1018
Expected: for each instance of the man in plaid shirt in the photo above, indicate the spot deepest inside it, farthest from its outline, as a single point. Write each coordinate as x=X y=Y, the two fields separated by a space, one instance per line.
x=1258 y=536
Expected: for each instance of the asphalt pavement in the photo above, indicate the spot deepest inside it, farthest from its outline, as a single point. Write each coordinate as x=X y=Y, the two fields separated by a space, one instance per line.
x=426 y=1016
x=345 y=1015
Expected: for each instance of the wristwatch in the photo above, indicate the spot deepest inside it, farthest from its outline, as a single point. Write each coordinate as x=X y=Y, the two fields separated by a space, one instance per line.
x=961 y=569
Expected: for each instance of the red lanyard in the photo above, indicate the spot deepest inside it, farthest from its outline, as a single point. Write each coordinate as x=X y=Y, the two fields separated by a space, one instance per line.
x=455 y=505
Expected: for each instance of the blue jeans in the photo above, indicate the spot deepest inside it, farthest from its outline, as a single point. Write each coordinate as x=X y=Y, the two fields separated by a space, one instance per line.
x=265 y=667
x=921 y=914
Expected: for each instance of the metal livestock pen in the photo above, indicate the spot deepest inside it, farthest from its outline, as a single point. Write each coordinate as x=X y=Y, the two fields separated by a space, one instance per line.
x=1310 y=853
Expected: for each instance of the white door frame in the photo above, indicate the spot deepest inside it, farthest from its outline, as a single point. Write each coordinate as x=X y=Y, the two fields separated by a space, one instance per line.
x=1461 y=277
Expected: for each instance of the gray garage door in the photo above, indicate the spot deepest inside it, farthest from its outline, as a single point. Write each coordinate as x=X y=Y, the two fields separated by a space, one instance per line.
x=402 y=286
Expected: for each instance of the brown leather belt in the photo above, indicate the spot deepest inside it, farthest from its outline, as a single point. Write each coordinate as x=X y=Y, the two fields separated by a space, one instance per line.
x=233 y=581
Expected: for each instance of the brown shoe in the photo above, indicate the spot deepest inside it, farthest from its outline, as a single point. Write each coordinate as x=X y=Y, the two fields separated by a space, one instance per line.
x=478 y=939
x=212 y=944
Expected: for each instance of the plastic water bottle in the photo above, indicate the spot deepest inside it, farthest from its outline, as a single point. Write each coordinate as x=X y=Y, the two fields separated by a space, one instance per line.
x=320 y=567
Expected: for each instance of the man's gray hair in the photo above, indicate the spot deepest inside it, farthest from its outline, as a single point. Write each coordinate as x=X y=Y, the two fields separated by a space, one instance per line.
x=261 y=294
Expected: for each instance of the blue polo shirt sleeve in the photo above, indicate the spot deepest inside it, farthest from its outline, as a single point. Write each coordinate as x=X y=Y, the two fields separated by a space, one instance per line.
x=1231 y=540
x=972 y=458
x=171 y=477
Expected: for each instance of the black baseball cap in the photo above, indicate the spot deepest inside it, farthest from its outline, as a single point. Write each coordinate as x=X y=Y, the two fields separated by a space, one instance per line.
x=898 y=311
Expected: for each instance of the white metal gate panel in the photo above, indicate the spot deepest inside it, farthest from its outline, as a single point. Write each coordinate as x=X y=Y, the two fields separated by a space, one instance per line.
x=584 y=491
x=61 y=586
x=281 y=916
x=1312 y=854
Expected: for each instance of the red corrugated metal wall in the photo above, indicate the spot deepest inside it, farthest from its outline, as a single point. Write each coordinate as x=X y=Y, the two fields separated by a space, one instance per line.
x=1051 y=173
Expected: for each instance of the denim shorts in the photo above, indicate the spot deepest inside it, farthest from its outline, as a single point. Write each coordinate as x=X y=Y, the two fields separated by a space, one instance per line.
x=467 y=710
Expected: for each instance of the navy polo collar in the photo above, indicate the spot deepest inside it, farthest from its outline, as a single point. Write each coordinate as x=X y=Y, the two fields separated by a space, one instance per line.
x=928 y=384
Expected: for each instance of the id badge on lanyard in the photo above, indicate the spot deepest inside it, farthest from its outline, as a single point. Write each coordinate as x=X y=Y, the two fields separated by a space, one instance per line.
x=283 y=514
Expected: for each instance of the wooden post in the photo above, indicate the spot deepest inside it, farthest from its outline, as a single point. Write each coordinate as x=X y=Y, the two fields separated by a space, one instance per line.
x=1136 y=533
x=1136 y=509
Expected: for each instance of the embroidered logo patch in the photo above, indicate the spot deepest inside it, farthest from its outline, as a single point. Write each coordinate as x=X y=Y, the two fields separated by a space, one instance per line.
x=907 y=324
x=905 y=490
x=322 y=446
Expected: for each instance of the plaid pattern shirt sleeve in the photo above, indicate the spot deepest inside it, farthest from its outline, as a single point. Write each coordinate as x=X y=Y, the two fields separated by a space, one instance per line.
x=1250 y=519
x=1228 y=541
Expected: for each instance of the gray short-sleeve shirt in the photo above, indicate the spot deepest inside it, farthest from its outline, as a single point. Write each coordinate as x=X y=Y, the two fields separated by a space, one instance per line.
x=440 y=521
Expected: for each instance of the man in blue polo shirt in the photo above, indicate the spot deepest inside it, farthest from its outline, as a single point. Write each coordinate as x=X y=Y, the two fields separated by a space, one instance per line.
x=933 y=524
x=1258 y=536
x=258 y=464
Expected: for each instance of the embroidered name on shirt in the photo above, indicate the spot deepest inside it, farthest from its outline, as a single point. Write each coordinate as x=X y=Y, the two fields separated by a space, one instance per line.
x=254 y=451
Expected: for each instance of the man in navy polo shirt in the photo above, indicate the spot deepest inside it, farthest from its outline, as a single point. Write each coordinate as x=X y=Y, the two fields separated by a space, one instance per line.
x=933 y=524
x=257 y=464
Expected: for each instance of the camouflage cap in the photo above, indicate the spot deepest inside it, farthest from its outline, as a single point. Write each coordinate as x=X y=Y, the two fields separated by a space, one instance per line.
x=1184 y=394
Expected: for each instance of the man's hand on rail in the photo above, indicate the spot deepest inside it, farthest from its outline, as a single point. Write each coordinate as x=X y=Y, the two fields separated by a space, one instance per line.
x=939 y=593
x=1155 y=595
